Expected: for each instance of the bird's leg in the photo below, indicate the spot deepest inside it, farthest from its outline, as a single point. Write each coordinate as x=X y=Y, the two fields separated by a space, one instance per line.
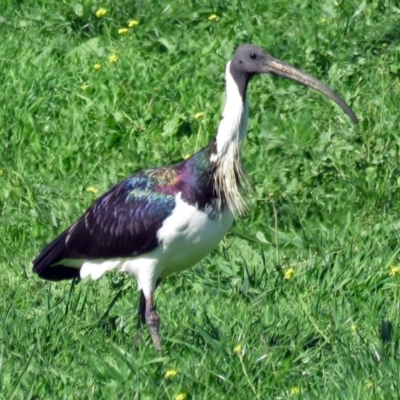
x=153 y=322
x=141 y=318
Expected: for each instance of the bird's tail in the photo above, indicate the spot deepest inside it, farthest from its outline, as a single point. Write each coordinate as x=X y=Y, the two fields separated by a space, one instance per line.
x=47 y=265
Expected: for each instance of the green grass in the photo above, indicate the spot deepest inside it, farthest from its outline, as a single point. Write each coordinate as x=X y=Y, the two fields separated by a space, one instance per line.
x=326 y=204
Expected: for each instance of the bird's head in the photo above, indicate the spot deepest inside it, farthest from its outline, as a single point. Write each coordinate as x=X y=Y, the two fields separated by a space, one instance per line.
x=249 y=60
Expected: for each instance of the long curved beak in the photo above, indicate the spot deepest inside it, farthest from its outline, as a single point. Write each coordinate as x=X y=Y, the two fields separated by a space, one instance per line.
x=280 y=68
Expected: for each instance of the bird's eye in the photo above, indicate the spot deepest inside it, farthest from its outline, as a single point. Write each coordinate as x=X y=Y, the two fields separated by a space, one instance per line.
x=253 y=56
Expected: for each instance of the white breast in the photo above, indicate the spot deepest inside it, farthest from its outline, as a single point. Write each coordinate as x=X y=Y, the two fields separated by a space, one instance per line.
x=188 y=235
x=185 y=238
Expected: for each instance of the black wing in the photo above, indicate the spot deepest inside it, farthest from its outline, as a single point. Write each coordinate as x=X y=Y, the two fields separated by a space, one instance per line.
x=121 y=223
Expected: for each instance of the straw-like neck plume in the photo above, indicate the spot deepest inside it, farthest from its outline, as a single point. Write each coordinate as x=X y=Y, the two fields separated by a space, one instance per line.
x=231 y=180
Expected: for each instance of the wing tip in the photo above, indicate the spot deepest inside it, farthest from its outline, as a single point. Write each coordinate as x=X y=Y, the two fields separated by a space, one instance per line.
x=58 y=273
x=44 y=264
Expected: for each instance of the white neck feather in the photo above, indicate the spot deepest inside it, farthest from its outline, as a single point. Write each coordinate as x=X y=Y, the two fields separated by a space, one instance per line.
x=229 y=176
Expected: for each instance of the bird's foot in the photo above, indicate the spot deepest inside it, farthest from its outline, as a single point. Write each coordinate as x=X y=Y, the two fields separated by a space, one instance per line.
x=153 y=322
x=137 y=338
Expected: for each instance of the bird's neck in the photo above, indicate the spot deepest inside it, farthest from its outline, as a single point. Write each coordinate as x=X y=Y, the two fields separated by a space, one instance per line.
x=230 y=177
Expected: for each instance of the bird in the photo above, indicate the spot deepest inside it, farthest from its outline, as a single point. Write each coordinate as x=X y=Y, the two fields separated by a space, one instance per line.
x=166 y=219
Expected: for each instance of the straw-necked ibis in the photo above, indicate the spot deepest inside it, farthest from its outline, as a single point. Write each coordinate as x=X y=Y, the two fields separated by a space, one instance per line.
x=163 y=220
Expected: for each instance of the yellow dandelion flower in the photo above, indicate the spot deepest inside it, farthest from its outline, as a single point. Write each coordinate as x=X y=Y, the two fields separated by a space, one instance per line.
x=294 y=391
x=113 y=58
x=353 y=328
x=84 y=87
x=97 y=66
x=180 y=396
x=213 y=17
x=132 y=23
x=92 y=189
x=238 y=349
x=323 y=21
x=394 y=271
x=369 y=384
x=122 y=31
x=289 y=274
x=199 y=115
x=170 y=374
x=101 y=12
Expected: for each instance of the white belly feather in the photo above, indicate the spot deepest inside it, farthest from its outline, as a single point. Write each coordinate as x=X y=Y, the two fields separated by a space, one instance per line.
x=185 y=237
